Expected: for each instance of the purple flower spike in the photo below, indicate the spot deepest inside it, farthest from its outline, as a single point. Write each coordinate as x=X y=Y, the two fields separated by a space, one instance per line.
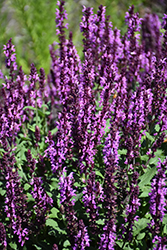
x=3 y=242
x=109 y=236
x=55 y=247
x=42 y=203
x=151 y=38
x=10 y=57
x=67 y=203
x=158 y=198
x=160 y=243
x=66 y=190
x=16 y=204
x=92 y=196
x=131 y=208
x=82 y=238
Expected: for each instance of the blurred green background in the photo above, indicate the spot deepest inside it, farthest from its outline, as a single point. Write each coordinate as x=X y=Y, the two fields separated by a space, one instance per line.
x=31 y=25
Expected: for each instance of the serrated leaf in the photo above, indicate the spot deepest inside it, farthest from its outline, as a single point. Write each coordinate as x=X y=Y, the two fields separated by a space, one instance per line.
x=22 y=174
x=159 y=154
x=146 y=177
x=144 y=157
x=140 y=225
x=145 y=191
x=153 y=161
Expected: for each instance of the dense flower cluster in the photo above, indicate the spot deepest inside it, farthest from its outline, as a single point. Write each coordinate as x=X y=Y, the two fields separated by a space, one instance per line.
x=105 y=123
x=158 y=203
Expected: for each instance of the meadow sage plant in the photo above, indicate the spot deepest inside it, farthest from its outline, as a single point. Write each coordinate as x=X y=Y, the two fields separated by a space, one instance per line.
x=83 y=150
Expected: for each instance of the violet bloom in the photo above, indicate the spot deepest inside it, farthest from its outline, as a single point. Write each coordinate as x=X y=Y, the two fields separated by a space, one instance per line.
x=10 y=58
x=82 y=238
x=151 y=36
x=110 y=152
x=16 y=201
x=157 y=198
x=42 y=204
x=67 y=200
x=164 y=26
x=3 y=242
x=109 y=236
x=32 y=99
x=37 y=136
x=13 y=99
x=66 y=190
x=131 y=208
x=55 y=247
x=92 y=197
x=160 y=243
x=51 y=152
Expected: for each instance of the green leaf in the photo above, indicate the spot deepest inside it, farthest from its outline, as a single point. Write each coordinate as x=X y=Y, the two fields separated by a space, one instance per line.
x=22 y=174
x=145 y=191
x=77 y=197
x=29 y=197
x=107 y=126
x=54 y=212
x=66 y=243
x=165 y=229
x=144 y=157
x=32 y=128
x=157 y=127
x=150 y=137
x=153 y=161
x=100 y=222
x=13 y=245
x=122 y=151
x=27 y=186
x=52 y=223
x=54 y=131
x=37 y=247
x=2 y=192
x=99 y=174
x=29 y=107
x=146 y=177
x=160 y=154
x=141 y=236
x=165 y=219
x=140 y=225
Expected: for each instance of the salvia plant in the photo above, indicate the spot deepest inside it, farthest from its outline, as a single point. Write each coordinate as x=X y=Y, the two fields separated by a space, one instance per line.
x=83 y=156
